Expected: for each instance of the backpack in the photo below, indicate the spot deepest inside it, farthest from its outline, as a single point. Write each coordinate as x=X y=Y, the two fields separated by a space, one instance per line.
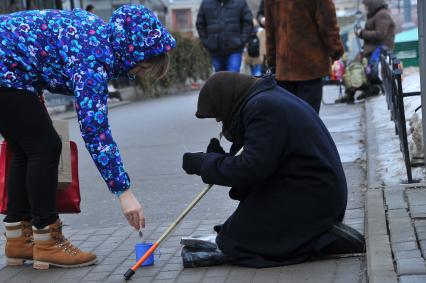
x=253 y=46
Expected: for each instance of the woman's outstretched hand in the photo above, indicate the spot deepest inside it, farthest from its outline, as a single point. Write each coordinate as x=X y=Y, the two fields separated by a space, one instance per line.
x=132 y=210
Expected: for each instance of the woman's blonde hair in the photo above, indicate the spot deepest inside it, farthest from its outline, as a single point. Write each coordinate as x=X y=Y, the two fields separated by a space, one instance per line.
x=160 y=66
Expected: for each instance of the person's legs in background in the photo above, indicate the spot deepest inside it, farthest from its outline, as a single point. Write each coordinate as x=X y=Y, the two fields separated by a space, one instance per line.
x=349 y=96
x=310 y=91
x=368 y=90
x=234 y=62
x=256 y=70
x=289 y=86
x=219 y=63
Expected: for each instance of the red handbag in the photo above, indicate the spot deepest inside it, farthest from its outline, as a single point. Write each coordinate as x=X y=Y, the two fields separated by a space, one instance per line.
x=5 y=158
x=67 y=200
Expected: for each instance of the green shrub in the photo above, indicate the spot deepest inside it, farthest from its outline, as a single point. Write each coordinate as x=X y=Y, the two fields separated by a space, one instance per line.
x=188 y=60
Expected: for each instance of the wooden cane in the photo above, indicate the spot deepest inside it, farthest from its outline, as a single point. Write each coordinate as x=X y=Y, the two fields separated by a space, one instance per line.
x=131 y=271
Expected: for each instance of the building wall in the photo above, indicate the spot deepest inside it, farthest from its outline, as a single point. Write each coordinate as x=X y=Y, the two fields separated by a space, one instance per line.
x=104 y=8
x=182 y=16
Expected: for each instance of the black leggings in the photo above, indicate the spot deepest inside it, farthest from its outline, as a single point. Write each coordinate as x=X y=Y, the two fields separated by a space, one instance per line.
x=33 y=180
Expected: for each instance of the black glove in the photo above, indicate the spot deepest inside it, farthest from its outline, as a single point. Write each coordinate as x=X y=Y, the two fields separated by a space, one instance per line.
x=239 y=193
x=214 y=146
x=192 y=162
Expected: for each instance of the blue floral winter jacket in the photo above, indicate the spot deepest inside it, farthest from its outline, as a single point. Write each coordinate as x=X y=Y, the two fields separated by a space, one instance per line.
x=76 y=53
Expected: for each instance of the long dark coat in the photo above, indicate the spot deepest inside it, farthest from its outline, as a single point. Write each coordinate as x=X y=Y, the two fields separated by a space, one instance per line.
x=289 y=178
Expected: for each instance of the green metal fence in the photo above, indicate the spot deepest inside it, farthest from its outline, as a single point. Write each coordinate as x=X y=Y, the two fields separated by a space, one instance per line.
x=407 y=47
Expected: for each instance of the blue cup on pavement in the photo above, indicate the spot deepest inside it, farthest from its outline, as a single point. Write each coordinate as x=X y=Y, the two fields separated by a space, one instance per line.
x=140 y=250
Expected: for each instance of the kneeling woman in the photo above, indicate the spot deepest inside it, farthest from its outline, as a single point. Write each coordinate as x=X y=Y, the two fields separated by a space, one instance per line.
x=289 y=178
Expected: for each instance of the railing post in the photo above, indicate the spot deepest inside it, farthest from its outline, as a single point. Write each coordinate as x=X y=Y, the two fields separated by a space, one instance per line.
x=421 y=10
x=401 y=124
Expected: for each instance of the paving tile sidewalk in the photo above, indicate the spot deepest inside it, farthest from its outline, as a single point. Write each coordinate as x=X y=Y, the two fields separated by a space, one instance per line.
x=406 y=220
x=395 y=221
x=396 y=234
x=114 y=248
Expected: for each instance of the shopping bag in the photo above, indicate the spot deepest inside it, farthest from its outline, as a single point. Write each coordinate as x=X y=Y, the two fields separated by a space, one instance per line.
x=64 y=167
x=5 y=158
x=67 y=200
x=354 y=76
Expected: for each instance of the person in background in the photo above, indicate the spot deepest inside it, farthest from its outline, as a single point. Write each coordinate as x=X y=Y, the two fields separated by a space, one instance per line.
x=90 y=8
x=289 y=179
x=74 y=53
x=224 y=27
x=261 y=14
x=254 y=53
x=302 y=39
x=379 y=31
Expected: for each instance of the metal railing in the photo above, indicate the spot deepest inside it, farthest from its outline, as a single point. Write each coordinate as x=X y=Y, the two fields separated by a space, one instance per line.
x=392 y=86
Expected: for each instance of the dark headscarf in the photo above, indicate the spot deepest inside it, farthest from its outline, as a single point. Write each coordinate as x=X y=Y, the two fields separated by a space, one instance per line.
x=222 y=96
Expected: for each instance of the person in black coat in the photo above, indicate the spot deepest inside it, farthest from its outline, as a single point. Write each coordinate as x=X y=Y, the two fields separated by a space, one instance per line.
x=224 y=27
x=289 y=178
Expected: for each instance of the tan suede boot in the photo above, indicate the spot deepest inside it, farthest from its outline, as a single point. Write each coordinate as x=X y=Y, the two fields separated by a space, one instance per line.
x=19 y=242
x=52 y=248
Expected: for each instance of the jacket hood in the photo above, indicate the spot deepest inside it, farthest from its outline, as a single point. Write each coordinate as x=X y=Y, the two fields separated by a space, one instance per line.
x=137 y=35
x=374 y=5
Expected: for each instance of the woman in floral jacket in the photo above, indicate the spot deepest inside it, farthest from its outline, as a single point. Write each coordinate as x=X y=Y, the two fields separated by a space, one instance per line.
x=73 y=53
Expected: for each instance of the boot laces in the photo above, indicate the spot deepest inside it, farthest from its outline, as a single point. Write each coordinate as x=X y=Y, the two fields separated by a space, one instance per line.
x=63 y=242
x=27 y=231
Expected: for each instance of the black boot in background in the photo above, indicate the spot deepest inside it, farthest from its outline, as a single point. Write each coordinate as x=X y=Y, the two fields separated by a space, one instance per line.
x=349 y=97
x=371 y=90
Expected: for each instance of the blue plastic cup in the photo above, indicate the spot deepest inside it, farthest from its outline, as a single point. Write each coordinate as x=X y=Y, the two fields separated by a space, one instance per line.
x=140 y=250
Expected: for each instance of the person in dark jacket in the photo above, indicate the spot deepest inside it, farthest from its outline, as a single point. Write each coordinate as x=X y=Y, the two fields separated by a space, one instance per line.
x=302 y=39
x=289 y=178
x=74 y=53
x=224 y=27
